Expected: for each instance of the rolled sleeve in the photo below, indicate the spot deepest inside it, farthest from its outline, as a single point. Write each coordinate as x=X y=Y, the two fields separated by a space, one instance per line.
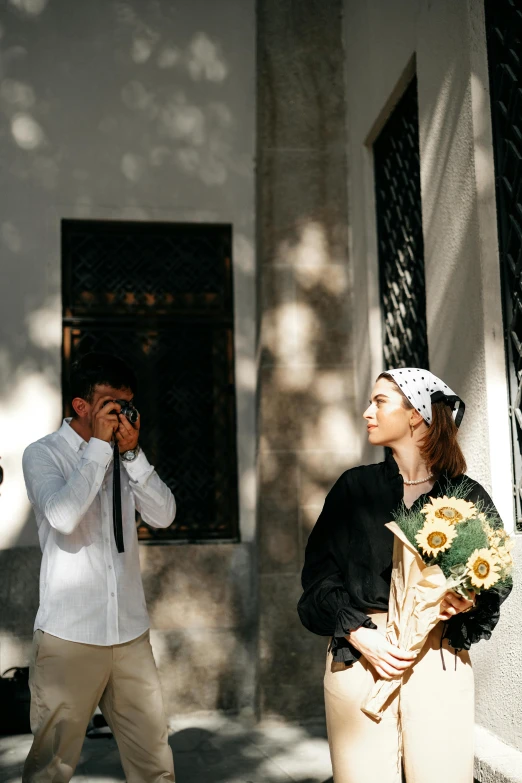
x=153 y=498
x=340 y=647
x=325 y=609
x=139 y=469
x=468 y=628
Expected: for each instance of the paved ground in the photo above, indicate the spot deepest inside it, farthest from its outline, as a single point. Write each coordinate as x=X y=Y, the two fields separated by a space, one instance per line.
x=211 y=750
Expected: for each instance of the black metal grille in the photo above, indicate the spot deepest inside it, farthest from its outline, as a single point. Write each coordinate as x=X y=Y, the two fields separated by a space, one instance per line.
x=399 y=233
x=160 y=297
x=504 y=39
x=155 y=269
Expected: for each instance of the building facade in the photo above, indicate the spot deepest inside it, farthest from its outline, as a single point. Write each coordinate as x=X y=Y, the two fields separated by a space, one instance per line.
x=288 y=197
x=458 y=56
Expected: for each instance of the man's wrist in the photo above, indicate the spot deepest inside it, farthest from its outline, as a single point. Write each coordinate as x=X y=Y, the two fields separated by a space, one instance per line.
x=131 y=454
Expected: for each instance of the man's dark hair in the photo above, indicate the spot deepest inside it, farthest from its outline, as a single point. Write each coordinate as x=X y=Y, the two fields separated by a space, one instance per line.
x=100 y=369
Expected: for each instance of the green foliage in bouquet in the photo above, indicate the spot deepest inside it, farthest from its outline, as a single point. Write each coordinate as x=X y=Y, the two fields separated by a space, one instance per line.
x=466 y=540
x=470 y=536
x=410 y=521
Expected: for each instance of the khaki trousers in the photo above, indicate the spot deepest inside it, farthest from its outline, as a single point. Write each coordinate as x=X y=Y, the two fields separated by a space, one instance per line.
x=434 y=712
x=68 y=680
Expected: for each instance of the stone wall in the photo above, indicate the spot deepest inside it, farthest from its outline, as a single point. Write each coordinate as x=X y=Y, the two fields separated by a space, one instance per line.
x=202 y=602
x=307 y=435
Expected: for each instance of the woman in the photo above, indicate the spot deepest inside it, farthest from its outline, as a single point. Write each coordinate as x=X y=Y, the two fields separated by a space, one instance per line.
x=346 y=582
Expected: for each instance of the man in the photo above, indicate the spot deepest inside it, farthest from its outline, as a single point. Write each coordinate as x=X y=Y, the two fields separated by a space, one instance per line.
x=91 y=642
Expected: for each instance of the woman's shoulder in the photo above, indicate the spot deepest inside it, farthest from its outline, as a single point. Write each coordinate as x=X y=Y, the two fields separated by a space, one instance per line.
x=361 y=475
x=473 y=489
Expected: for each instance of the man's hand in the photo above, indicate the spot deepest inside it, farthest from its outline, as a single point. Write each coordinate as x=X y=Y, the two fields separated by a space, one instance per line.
x=127 y=434
x=453 y=604
x=105 y=418
x=389 y=662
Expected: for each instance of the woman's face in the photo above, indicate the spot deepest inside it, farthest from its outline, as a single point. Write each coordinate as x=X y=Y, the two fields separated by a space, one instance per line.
x=388 y=421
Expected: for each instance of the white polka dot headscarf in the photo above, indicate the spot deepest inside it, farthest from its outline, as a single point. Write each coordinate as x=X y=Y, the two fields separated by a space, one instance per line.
x=422 y=388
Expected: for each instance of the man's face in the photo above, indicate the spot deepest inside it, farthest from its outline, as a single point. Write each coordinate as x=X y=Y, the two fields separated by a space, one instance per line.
x=105 y=391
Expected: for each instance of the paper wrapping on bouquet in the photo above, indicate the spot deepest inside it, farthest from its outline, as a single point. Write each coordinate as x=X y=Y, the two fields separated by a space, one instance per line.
x=416 y=592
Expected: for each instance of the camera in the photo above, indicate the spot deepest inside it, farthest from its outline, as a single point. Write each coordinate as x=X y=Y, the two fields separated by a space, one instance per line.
x=127 y=409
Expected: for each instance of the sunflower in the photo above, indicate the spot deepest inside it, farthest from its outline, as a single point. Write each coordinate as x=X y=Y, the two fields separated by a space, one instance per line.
x=436 y=536
x=483 y=568
x=452 y=510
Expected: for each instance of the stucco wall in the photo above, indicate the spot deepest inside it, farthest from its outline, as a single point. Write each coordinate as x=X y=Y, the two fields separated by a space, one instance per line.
x=445 y=42
x=134 y=110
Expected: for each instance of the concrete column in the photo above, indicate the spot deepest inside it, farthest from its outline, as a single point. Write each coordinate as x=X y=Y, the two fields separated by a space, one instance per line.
x=307 y=434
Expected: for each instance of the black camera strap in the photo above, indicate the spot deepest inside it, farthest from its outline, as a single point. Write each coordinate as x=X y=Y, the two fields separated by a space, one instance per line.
x=116 y=500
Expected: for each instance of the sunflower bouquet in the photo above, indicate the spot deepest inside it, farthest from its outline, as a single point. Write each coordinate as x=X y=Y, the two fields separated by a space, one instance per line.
x=448 y=544
x=472 y=549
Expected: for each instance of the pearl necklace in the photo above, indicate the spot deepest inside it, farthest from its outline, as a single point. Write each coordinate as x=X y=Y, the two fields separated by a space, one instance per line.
x=420 y=481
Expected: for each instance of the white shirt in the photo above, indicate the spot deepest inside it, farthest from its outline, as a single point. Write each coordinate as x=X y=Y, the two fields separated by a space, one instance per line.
x=88 y=591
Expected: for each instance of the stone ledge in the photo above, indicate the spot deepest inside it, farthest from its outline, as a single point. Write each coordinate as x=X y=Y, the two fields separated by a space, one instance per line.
x=495 y=762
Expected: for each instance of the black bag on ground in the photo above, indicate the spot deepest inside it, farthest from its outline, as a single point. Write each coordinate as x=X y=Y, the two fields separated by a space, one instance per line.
x=98 y=727
x=15 y=702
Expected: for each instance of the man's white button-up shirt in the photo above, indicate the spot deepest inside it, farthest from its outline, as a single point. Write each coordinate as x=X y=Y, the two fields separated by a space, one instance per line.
x=88 y=591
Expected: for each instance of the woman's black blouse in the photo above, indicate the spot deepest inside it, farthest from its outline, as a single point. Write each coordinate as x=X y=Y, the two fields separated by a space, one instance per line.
x=348 y=560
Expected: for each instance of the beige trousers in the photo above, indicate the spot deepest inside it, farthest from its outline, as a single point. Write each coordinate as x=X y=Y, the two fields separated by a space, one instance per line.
x=434 y=712
x=68 y=680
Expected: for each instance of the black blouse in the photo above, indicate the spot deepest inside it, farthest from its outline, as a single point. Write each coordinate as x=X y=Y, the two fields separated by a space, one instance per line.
x=348 y=560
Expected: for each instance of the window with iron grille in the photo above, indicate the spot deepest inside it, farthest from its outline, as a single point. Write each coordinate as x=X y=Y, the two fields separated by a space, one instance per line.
x=399 y=235
x=160 y=297
x=504 y=44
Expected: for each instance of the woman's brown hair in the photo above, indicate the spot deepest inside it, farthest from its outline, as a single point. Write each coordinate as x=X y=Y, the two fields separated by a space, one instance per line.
x=439 y=449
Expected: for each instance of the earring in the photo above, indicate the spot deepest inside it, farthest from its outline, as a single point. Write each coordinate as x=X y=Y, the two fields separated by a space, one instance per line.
x=412 y=428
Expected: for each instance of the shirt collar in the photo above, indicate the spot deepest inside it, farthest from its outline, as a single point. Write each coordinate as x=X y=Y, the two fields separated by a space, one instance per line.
x=392 y=474
x=74 y=440
x=390 y=466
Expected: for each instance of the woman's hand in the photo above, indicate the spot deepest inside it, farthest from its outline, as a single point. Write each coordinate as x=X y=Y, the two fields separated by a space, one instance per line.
x=453 y=604
x=388 y=661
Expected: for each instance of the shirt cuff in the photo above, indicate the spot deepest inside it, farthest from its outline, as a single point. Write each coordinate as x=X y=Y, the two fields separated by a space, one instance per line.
x=98 y=451
x=139 y=469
